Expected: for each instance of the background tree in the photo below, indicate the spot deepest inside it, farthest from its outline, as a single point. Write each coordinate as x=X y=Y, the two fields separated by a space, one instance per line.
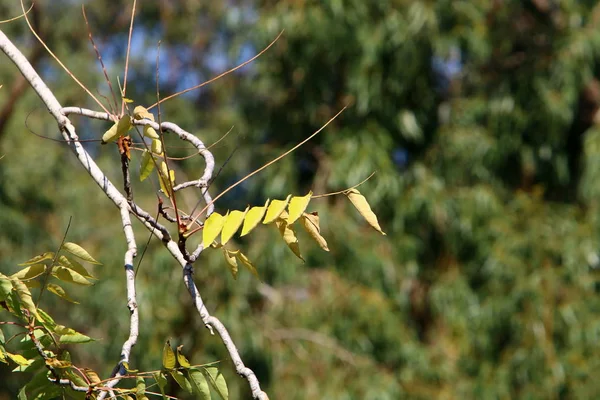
x=479 y=119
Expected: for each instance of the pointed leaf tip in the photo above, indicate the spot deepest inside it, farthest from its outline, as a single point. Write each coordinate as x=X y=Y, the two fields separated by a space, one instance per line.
x=297 y=206
x=310 y=222
x=232 y=224
x=275 y=209
x=80 y=252
x=212 y=227
x=231 y=261
x=360 y=203
x=253 y=217
x=168 y=356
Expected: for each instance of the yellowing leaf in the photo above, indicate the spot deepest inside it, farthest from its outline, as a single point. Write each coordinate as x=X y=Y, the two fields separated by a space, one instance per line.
x=247 y=263
x=151 y=133
x=310 y=222
x=91 y=375
x=253 y=217
x=56 y=363
x=60 y=292
x=25 y=297
x=199 y=384
x=231 y=261
x=146 y=165
x=297 y=206
x=127 y=100
x=360 y=202
x=79 y=251
x=288 y=235
x=232 y=224
x=140 y=112
x=156 y=146
x=164 y=173
x=119 y=129
x=37 y=259
x=212 y=228
x=181 y=380
x=30 y=272
x=181 y=359
x=75 y=266
x=5 y=286
x=168 y=357
x=68 y=275
x=217 y=381
x=275 y=209
x=19 y=359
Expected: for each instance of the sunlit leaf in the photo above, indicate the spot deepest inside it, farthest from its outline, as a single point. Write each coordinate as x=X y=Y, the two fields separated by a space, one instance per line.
x=360 y=202
x=118 y=129
x=60 y=292
x=231 y=261
x=19 y=359
x=167 y=179
x=75 y=266
x=46 y=319
x=212 y=228
x=140 y=112
x=181 y=380
x=275 y=209
x=297 y=206
x=146 y=165
x=151 y=133
x=56 y=363
x=288 y=234
x=80 y=252
x=127 y=100
x=74 y=338
x=68 y=275
x=30 y=272
x=25 y=297
x=232 y=224
x=310 y=222
x=217 y=381
x=181 y=359
x=168 y=357
x=37 y=259
x=156 y=147
x=247 y=263
x=199 y=384
x=253 y=217
x=91 y=375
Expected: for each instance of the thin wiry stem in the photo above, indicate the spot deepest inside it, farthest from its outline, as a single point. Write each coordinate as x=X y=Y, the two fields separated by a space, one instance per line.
x=127 y=57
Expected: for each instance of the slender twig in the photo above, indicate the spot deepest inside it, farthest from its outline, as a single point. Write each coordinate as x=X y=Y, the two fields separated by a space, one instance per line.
x=17 y=17
x=49 y=271
x=127 y=57
x=318 y=196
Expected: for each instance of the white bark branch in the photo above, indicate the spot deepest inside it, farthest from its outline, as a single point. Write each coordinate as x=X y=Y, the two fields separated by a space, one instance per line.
x=69 y=133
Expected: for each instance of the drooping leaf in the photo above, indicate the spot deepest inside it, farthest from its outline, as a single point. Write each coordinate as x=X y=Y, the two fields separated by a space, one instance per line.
x=288 y=234
x=146 y=165
x=275 y=209
x=25 y=297
x=297 y=206
x=168 y=357
x=247 y=263
x=19 y=359
x=212 y=228
x=360 y=203
x=149 y=132
x=74 y=338
x=217 y=381
x=166 y=179
x=310 y=222
x=231 y=261
x=253 y=217
x=5 y=286
x=181 y=359
x=56 y=363
x=161 y=381
x=118 y=129
x=156 y=147
x=30 y=272
x=46 y=320
x=181 y=380
x=60 y=292
x=140 y=389
x=199 y=384
x=91 y=375
x=68 y=275
x=80 y=252
x=75 y=266
x=38 y=259
x=232 y=224
x=140 y=112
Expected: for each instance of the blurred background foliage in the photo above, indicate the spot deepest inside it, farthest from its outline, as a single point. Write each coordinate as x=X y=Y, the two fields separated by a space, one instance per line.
x=479 y=118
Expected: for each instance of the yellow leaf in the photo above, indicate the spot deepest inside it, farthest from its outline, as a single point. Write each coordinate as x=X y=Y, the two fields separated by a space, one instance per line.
x=151 y=133
x=275 y=209
x=42 y=257
x=360 y=202
x=19 y=359
x=119 y=129
x=127 y=100
x=146 y=165
x=75 y=266
x=212 y=228
x=288 y=235
x=231 y=261
x=80 y=252
x=156 y=147
x=168 y=359
x=60 y=292
x=297 y=206
x=310 y=222
x=68 y=275
x=247 y=263
x=253 y=217
x=181 y=359
x=56 y=363
x=30 y=272
x=164 y=173
x=25 y=297
x=232 y=224
x=140 y=112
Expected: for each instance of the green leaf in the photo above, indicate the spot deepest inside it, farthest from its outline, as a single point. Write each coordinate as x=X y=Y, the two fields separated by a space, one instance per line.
x=168 y=357
x=232 y=224
x=149 y=132
x=14 y=304
x=68 y=275
x=2 y=340
x=217 y=381
x=5 y=286
x=140 y=388
x=25 y=297
x=19 y=359
x=297 y=206
x=199 y=384
x=30 y=272
x=275 y=209
x=146 y=165
x=75 y=266
x=181 y=380
x=161 y=381
x=60 y=292
x=37 y=259
x=360 y=203
x=231 y=261
x=253 y=217
x=74 y=338
x=212 y=228
x=46 y=320
x=119 y=128
x=80 y=252
x=181 y=359
x=247 y=263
